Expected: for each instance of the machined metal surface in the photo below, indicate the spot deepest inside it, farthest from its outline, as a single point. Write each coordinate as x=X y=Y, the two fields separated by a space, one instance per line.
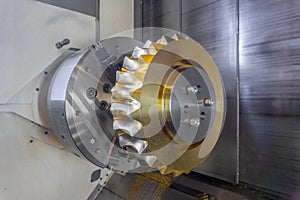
x=100 y=101
x=260 y=42
x=167 y=11
x=205 y=22
x=74 y=113
x=193 y=109
x=269 y=95
x=166 y=80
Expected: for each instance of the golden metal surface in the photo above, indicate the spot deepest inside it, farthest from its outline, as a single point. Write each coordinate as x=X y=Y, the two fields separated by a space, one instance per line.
x=158 y=73
x=139 y=189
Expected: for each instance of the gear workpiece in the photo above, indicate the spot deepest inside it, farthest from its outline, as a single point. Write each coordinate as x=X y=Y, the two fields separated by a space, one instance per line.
x=136 y=106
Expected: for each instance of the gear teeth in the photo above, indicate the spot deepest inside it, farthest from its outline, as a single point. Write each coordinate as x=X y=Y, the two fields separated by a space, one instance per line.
x=126 y=141
x=177 y=173
x=157 y=46
x=178 y=37
x=128 y=125
x=163 y=169
x=166 y=170
x=147 y=58
x=134 y=64
x=137 y=52
x=120 y=97
x=165 y=40
x=126 y=106
x=140 y=74
x=148 y=44
x=128 y=80
x=123 y=90
x=150 y=160
x=153 y=45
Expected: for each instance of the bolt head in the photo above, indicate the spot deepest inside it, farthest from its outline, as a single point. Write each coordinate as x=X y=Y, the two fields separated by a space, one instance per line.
x=91 y=93
x=208 y=102
x=194 y=122
x=192 y=89
x=103 y=105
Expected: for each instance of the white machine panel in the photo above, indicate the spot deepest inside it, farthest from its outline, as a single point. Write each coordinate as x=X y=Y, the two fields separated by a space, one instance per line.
x=29 y=31
x=29 y=168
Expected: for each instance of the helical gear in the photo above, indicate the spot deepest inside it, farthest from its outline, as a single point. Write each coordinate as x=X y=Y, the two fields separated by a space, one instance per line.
x=149 y=78
x=129 y=80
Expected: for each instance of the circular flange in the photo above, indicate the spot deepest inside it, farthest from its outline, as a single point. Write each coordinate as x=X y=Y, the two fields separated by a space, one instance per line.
x=78 y=101
x=182 y=95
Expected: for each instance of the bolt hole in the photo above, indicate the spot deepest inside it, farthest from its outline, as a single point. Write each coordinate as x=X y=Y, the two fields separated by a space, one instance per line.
x=63 y=137
x=97 y=151
x=186 y=108
x=46 y=132
x=101 y=179
x=63 y=114
x=106 y=88
x=202 y=115
x=46 y=73
x=31 y=141
x=37 y=89
x=103 y=105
